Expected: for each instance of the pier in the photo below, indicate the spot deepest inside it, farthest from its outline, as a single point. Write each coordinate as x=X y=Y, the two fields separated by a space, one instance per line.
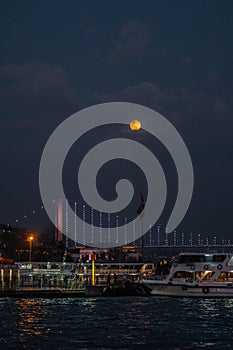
x=55 y=279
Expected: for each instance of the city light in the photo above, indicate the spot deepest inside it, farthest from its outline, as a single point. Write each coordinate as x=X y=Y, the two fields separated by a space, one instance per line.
x=30 y=240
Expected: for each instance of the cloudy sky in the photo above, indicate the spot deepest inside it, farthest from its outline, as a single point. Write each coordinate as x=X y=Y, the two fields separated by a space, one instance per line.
x=58 y=57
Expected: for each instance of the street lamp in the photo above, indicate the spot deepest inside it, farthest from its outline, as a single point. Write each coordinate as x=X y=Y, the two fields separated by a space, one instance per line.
x=30 y=239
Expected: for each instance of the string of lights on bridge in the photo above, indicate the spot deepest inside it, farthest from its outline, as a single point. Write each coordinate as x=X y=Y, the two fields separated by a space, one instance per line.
x=155 y=237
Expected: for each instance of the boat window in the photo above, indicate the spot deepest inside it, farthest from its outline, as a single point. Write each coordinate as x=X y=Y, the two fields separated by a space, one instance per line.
x=183 y=274
x=191 y=258
x=208 y=276
x=225 y=277
x=230 y=276
x=230 y=263
x=208 y=258
x=222 y=277
x=219 y=258
x=214 y=258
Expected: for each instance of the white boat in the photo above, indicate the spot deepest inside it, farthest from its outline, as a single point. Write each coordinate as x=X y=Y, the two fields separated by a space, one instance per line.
x=197 y=275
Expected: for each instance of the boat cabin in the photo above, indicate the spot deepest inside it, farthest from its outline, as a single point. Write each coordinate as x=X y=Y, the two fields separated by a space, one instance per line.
x=186 y=258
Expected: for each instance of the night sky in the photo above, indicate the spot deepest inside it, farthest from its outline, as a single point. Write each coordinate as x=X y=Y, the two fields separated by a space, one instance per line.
x=176 y=57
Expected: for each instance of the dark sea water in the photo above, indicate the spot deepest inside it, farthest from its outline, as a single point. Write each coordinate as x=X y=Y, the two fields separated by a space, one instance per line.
x=116 y=323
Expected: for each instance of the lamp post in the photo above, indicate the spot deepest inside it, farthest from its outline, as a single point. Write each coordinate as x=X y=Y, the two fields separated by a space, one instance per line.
x=93 y=269
x=30 y=239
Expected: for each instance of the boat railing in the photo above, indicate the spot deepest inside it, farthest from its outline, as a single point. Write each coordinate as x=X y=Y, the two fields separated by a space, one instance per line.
x=48 y=271
x=120 y=271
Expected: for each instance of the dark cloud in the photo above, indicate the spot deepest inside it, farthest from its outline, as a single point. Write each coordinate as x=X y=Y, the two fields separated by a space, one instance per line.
x=89 y=31
x=37 y=87
x=134 y=38
x=145 y=93
x=182 y=105
x=186 y=60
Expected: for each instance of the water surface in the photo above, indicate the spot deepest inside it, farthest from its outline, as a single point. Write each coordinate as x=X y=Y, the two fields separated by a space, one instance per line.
x=116 y=323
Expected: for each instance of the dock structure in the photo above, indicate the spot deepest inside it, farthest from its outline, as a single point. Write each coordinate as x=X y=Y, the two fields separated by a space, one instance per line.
x=9 y=277
x=76 y=275
x=61 y=279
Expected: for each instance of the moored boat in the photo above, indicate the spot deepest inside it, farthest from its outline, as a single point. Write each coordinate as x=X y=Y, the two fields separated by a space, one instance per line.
x=208 y=275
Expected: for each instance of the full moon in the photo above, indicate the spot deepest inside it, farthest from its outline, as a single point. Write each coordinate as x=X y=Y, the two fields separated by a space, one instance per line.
x=135 y=125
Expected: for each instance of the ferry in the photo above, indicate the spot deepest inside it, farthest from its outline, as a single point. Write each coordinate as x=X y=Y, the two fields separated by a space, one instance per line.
x=78 y=275
x=203 y=275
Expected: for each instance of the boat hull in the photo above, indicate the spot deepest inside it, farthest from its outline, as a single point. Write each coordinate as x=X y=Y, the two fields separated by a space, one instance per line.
x=192 y=291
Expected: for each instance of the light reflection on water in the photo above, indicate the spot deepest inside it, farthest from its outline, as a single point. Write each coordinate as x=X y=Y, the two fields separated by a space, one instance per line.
x=123 y=323
x=31 y=315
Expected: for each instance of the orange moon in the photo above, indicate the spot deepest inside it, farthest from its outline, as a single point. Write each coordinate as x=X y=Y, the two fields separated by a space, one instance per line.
x=135 y=125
